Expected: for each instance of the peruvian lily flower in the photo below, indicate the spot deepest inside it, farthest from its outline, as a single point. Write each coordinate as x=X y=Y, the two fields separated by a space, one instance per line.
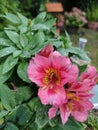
x=77 y=103
x=50 y=74
x=58 y=83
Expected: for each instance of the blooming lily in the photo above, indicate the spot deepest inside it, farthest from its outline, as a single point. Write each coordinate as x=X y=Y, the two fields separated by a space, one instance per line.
x=60 y=86
x=77 y=103
x=50 y=74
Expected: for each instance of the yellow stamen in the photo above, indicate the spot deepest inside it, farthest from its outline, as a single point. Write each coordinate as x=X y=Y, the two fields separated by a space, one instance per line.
x=69 y=106
x=51 y=77
x=76 y=98
x=70 y=95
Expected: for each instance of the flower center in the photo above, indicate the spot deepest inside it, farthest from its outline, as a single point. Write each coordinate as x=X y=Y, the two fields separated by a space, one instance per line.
x=71 y=98
x=51 y=77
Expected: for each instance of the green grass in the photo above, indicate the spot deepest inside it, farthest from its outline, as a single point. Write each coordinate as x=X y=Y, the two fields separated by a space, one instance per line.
x=92 y=45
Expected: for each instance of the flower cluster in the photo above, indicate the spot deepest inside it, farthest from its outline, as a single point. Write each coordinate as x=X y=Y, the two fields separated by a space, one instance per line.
x=60 y=84
x=75 y=18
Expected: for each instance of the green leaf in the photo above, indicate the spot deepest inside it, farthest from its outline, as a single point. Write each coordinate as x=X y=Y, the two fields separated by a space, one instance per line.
x=4 y=77
x=13 y=36
x=56 y=43
x=23 y=94
x=33 y=126
x=81 y=53
x=23 y=19
x=75 y=125
x=11 y=117
x=23 y=40
x=23 y=115
x=53 y=122
x=7 y=97
x=50 y=23
x=74 y=51
x=11 y=27
x=34 y=103
x=23 y=28
x=13 y=18
x=40 y=18
x=3 y=113
x=20 y=115
x=22 y=71
x=44 y=26
x=36 y=43
x=6 y=51
x=42 y=115
x=68 y=37
x=4 y=42
x=25 y=53
x=16 y=53
x=40 y=27
x=62 y=51
x=10 y=126
x=9 y=64
x=70 y=125
x=38 y=39
x=66 y=41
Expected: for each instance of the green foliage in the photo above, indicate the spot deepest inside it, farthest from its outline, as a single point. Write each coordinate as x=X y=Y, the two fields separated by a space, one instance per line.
x=92 y=121
x=20 y=108
x=31 y=8
x=7 y=6
x=74 y=22
x=10 y=126
x=84 y=4
x=70 y=125
x=92 y=11
x=74 y=51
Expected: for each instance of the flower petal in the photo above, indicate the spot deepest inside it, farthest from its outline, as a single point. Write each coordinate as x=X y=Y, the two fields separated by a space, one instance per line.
x=54 y=97
x=80 y=116
x=43 y=95
x=64 y=113
x=89 y=74
x=52 y=112
x=46 y=51
x=33 y=74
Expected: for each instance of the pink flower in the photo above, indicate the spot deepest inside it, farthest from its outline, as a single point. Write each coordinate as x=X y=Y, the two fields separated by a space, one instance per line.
x=78 y=95
x=60 y=85
x=50 y=74
x=76 y=104
x=46 y=51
